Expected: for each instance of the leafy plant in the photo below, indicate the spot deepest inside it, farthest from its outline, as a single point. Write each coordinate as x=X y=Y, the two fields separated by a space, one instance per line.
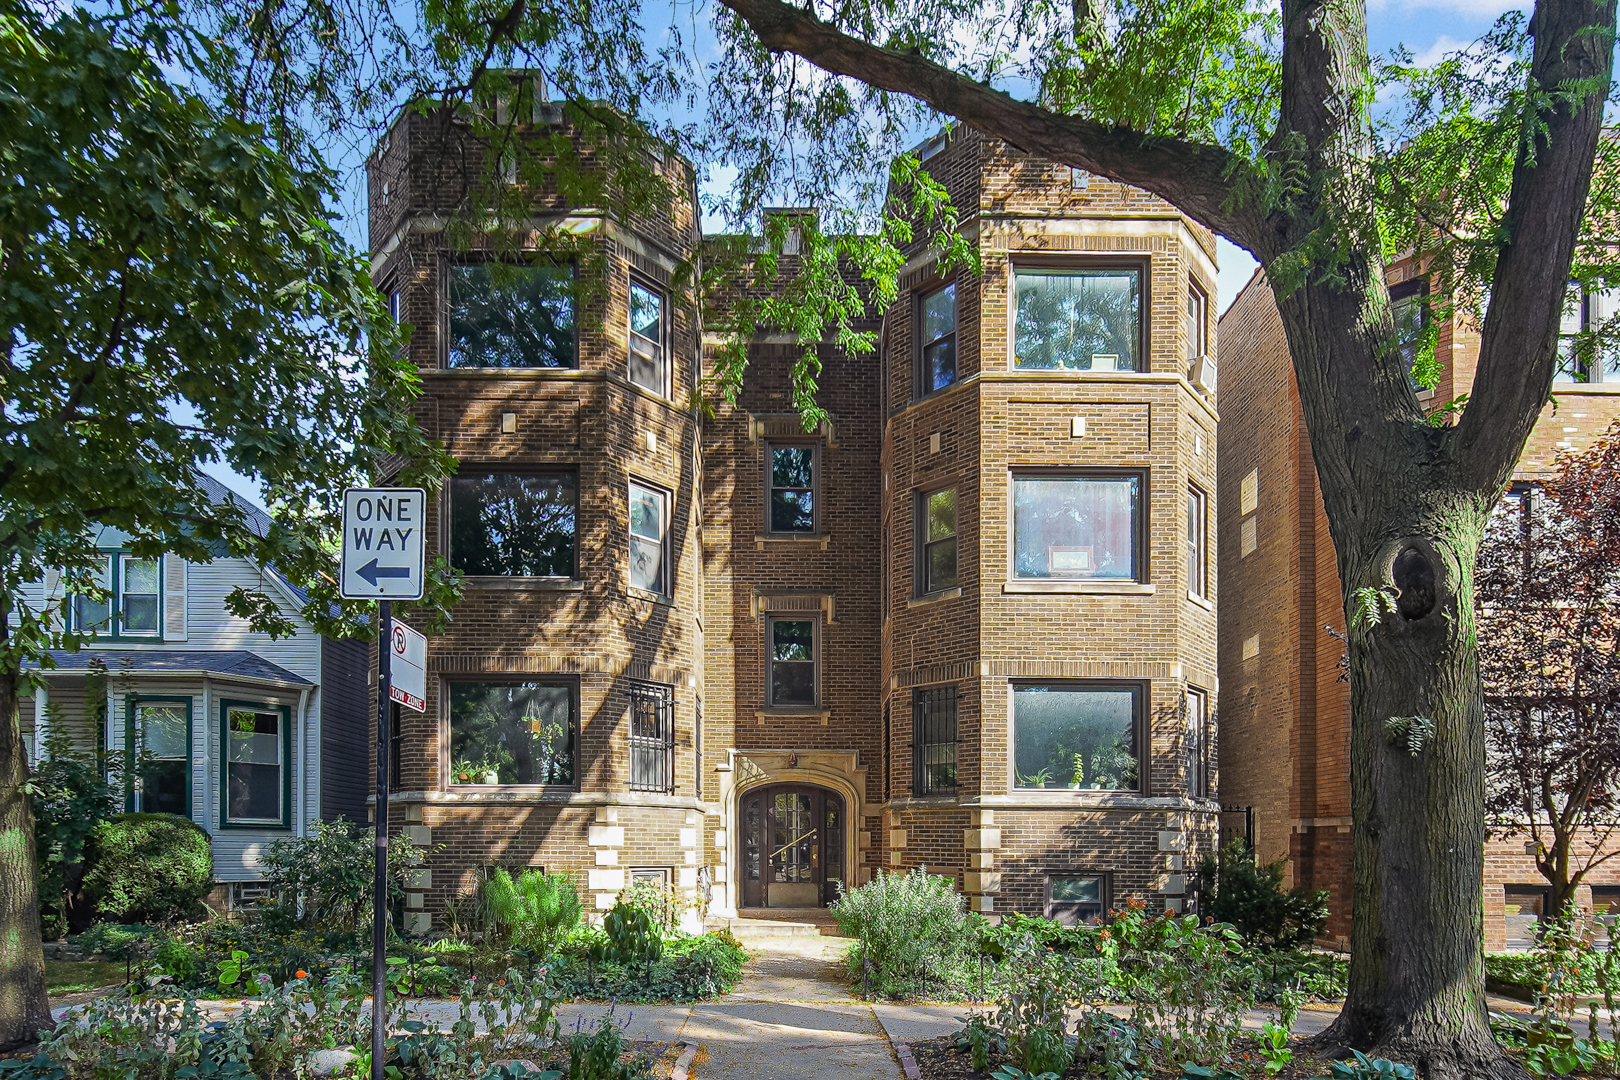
x=1235 y=888
x=1274 y=1047
x=149 y=867
x=72 y=793
x=913 y=933
x=980 y=1040
x=324 y=879
x=1361 y=1067
x=533 y=910
x=631 y=937
x=595 y=1055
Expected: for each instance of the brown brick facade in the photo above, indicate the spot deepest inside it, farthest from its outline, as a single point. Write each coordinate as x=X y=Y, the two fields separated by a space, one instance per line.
x=877 y=640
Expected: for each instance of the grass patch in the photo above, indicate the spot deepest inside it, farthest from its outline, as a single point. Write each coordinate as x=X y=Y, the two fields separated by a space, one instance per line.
x=71 y=976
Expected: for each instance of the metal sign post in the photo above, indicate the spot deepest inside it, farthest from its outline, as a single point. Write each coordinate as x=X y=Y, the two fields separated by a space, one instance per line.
x=382 y=560
x=379 y=903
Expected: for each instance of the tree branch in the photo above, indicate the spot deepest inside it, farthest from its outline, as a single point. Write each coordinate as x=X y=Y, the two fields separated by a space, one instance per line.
x=1570 y=72
x=1194 y=177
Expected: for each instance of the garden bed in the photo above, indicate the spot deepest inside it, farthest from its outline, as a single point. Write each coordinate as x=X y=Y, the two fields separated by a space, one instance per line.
x=938 y=1059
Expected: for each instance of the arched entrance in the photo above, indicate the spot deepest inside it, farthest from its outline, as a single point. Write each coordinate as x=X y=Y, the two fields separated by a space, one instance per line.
x=792 y=850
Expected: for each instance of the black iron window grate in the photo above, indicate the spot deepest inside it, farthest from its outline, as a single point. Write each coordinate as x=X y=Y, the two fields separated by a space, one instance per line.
x=652 y=738
x=933 y=740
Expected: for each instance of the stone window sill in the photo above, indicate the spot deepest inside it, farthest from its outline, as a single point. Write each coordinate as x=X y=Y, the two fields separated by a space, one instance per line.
x=1206 y=604
x=648 y=594
x=934 y=597
x=819 y=539
x=538 y=584
x=1090 y=588
x=822 y=714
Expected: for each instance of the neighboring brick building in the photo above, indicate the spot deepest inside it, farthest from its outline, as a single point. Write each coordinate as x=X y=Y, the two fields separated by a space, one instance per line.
x=1285 y=713
x=697 y=643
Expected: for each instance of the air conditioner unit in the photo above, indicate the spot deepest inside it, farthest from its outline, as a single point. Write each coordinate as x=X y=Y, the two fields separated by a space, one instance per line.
x=1203 y=374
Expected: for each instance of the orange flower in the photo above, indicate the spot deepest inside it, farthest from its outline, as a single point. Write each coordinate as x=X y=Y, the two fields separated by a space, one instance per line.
x=300 y=974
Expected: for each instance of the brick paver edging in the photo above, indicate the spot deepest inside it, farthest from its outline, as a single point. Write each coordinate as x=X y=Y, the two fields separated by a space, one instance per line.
x=907 y=1062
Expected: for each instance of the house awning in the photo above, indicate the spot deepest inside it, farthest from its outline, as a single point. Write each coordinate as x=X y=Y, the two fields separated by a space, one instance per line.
x=173 y=663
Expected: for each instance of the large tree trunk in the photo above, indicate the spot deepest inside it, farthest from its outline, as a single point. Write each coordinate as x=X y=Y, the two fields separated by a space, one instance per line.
x=25 y=1011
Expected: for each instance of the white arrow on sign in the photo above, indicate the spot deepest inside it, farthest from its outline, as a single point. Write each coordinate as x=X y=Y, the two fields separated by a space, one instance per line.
x=408 y=671
x=382 y=543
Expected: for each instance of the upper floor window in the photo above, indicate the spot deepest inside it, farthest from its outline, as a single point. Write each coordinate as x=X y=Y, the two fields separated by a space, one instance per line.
x=133 y=603
x=257 y=742
x=1587 y=349
x=936 y=320
x=649 y=340
x=792 y=645
x=1076 y=736
x=1084 y=527
x=1079 y=319
x=514 y=524
x=792 y=488
x=649 y=539
x=1197 y=541
x=1197 y=321
x=937 y=541
x=504 y=315
x=1408 y=304
x=520 y=732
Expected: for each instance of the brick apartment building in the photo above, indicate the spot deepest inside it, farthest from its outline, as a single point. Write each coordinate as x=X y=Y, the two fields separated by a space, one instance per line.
x=968 y=624
x=1285 y=714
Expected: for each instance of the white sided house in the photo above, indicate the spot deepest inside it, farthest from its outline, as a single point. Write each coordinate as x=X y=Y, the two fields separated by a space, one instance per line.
x=250 y=737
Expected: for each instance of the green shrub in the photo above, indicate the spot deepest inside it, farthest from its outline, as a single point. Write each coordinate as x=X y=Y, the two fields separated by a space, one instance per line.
x=689 y=969
x=913 y=934
x=149 y=867
x=533 y=910
x=632 y=937
x=1237 y=890
x=119 y=942
x=324 y=880
x=72 y=793
x=659 y=899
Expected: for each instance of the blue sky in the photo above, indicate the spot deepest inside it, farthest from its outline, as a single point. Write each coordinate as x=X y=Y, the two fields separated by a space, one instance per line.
x=1428 y=28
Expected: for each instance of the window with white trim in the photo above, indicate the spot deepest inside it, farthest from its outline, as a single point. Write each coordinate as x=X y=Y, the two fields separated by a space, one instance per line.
x=649 y=539
x=255 y=774
x=649 y=339
x=1197 y=543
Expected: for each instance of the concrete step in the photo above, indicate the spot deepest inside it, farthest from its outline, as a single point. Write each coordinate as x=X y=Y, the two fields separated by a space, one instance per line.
x=752 y=928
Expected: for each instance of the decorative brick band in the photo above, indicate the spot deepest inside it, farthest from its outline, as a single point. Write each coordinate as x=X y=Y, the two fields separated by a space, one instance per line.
x=908 y=1064
x=684 y=1062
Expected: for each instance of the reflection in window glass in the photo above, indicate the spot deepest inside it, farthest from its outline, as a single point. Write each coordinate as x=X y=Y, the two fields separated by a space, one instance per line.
x=1075 y=900
x=1077 y=320
x=523 y=732
x=253 y=765
x=513 y=525
x=138 y=597
x=939 y=540
x=938 y=310
x=647 y=535
x=647 y=338
x=1588 y=349
x=164 y=763
x=506 y=316
x=793 y=489
x=793 y=662
x=1075 y=527
x=92 y=614
x=1075 y=737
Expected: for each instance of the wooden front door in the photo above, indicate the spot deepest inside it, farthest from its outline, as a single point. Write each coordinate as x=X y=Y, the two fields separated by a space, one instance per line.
x=792 y=846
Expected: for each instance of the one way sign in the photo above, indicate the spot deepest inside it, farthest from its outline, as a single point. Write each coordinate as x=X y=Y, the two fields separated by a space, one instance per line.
x=382 y=543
